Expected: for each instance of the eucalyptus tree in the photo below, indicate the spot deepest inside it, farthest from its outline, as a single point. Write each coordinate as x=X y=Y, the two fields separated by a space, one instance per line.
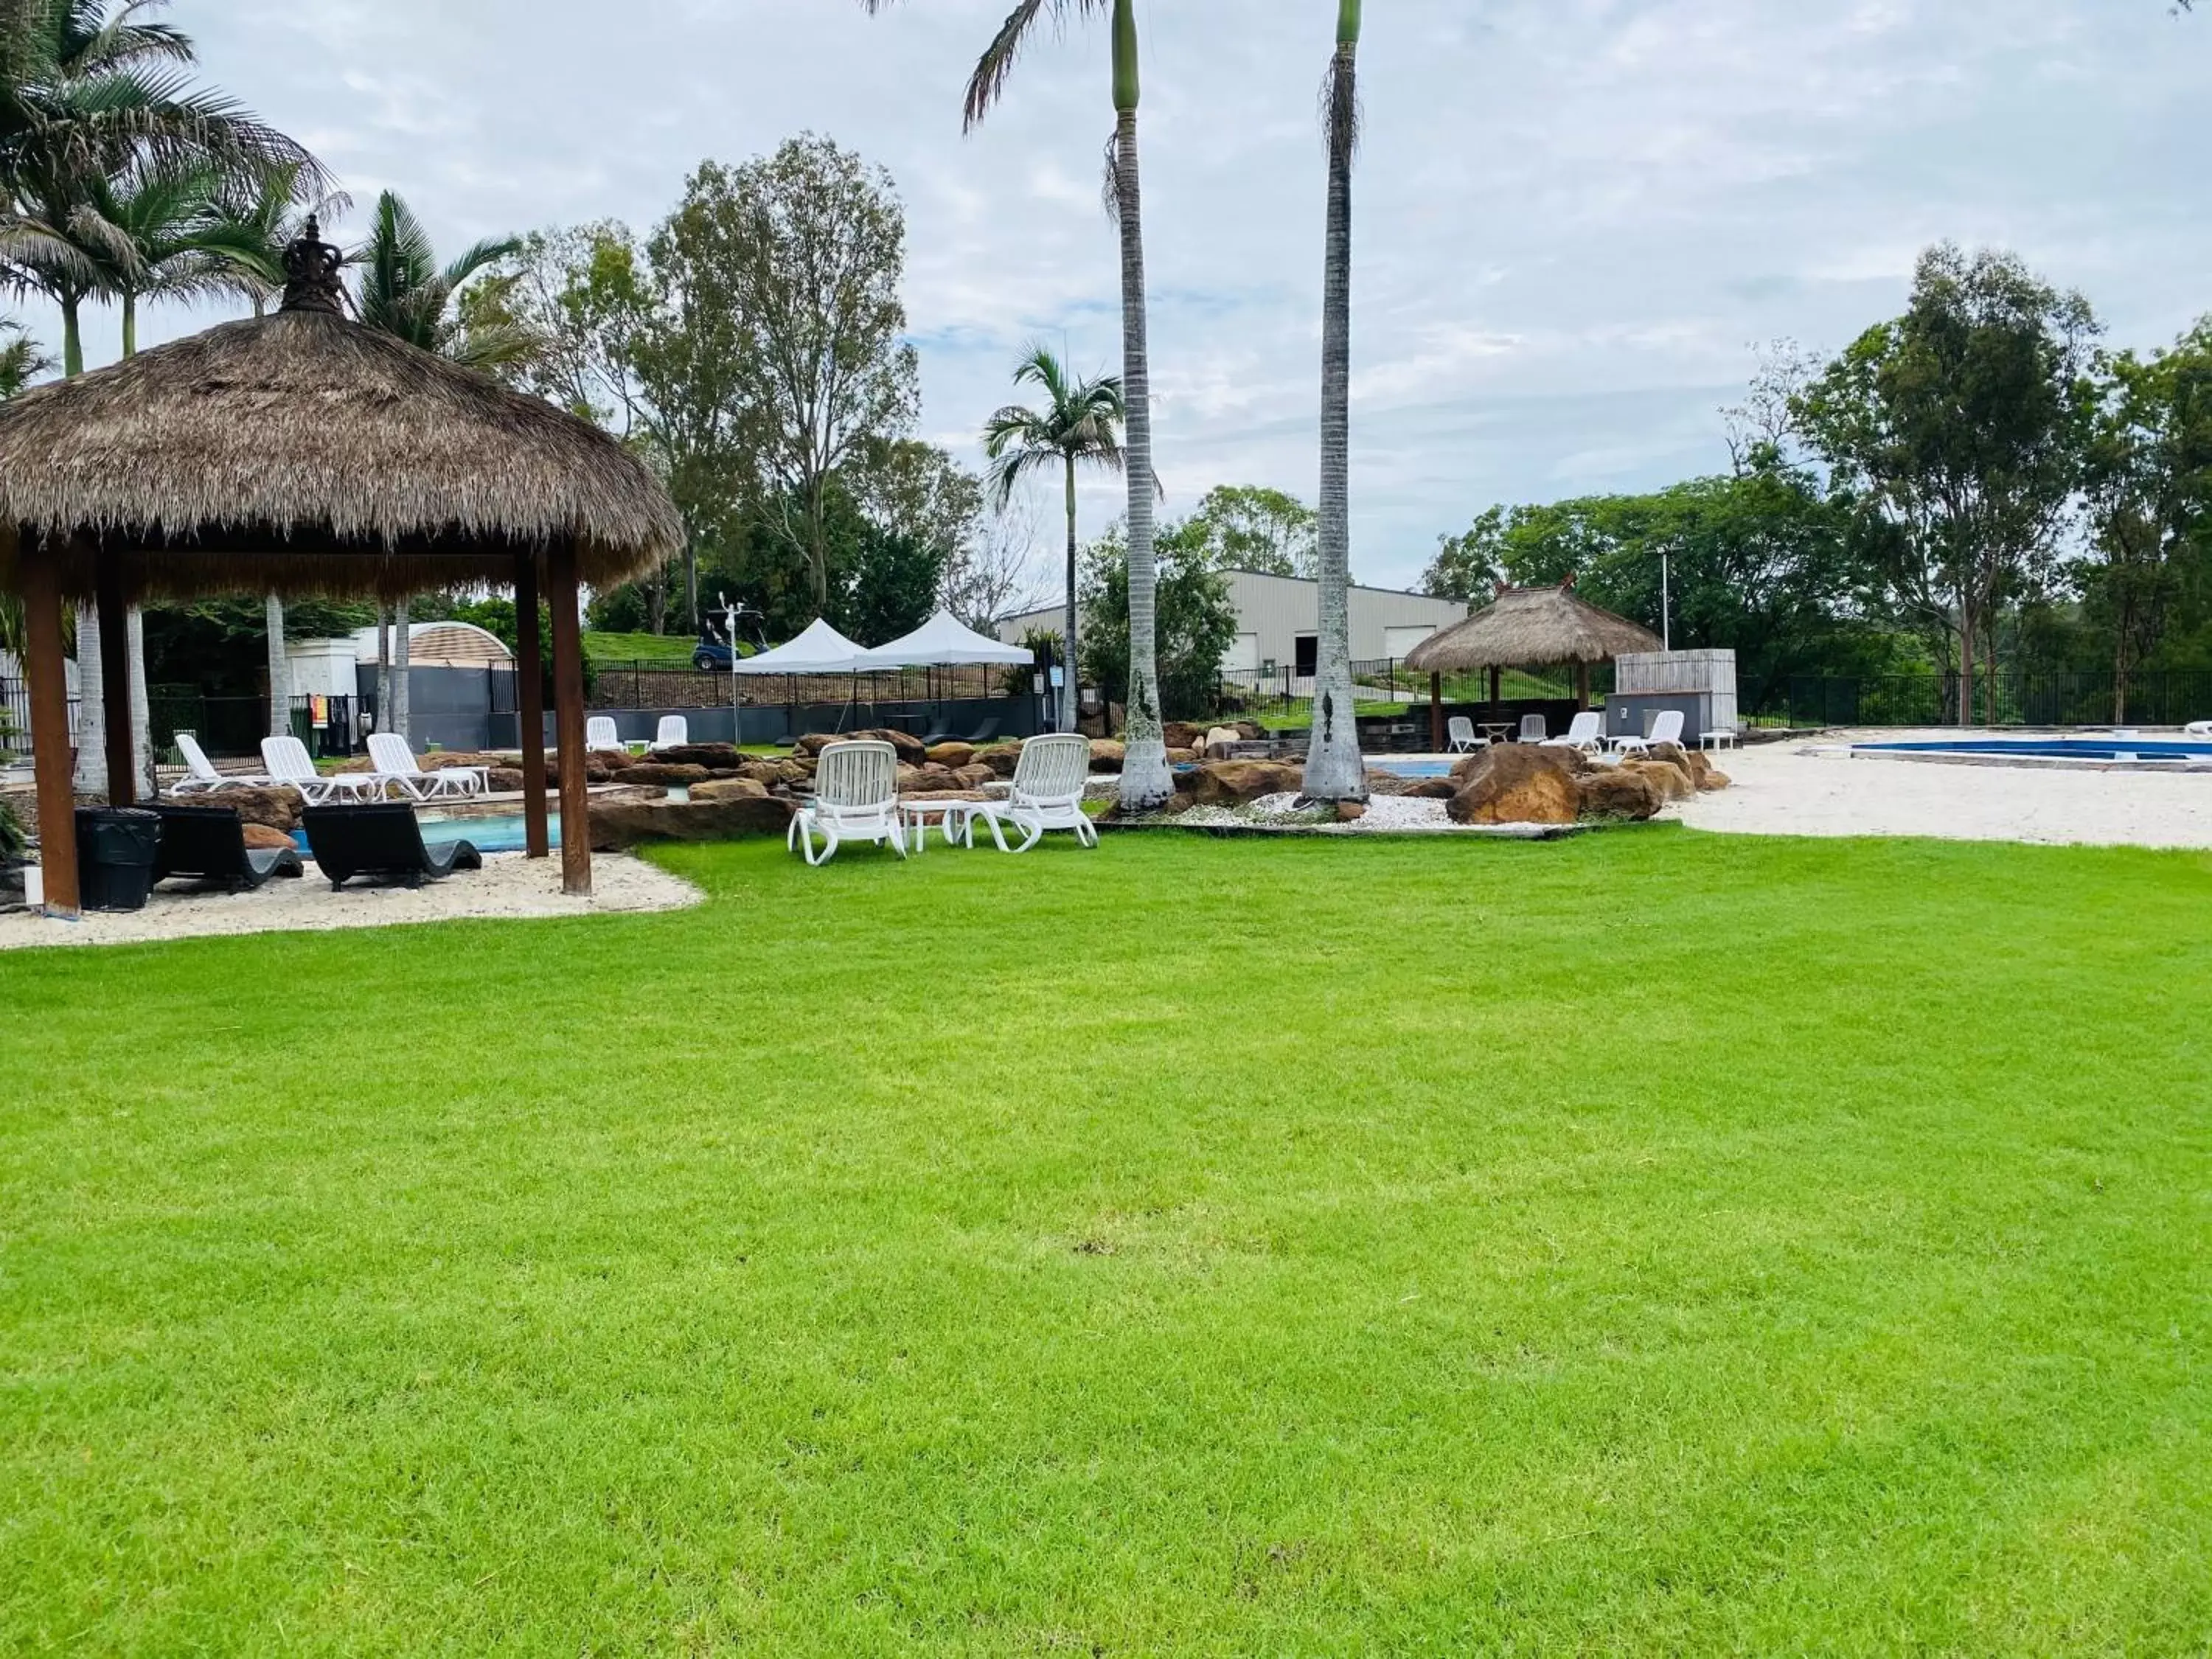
x=1078 y=425
x=1145 y=781
x=1334 y=768
x=405 y=292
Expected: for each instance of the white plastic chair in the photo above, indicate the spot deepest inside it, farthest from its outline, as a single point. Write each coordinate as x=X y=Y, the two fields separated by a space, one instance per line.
x=1667 y=728
x=1533 y=728
x=203 y=779
x=600 y=732
x=855 y=799
x=1464 y=738
x=1048 y=793
x=1586 y=731
x=675 y=733
x=396 y=764
x=2199 y=728
x=291 y=766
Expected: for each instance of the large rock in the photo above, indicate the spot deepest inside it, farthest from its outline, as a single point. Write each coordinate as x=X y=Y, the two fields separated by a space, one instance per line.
x=1516 y=783
x=1672 y=781
x=1227 y=783
x=277 y=808
x=767 y=772
x=814 y=742
x=975 y=776
x=504 y=780
x=729 y=789
x=662 y=775
x=1617 y=793
x=954 y=755
x=910 y=750
x=1180 y=757
x=618 y=825
x=1182 y=734
x=1431 y=788
x=1002 y=758
x=715 y=757
x=1106 y=755
x=794 y=773
x=1714 y=779
x=262 y=837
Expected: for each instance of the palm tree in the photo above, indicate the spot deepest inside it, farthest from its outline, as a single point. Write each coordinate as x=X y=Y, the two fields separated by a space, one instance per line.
x=20 y=360
x=1078 y=425
x=405 y=292
x=1145 y=781
x=89 y=91
x=1334 y=768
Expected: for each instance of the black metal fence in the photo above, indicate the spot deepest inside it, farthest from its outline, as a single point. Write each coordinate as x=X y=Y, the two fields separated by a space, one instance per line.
x=15 y=716
x=2066 y=697
x=1384 y=680
x=668 y=685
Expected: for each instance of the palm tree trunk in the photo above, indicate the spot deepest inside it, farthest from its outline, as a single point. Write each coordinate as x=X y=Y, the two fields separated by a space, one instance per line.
x=402 y=658
x=1069 y=672
x=1334 y=768
x=383 y=666
x=72 y=341
x=142 y=711
x=91 y=706
x=129 y=325
x=1145 y=781
x=280 y=669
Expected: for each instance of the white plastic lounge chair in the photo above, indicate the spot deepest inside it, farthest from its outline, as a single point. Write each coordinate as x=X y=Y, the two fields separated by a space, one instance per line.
x=1464 y=739
x=2199 y=728
x=1667 y=728
x=396 y=764
x=1532 y=728
x=675 y=733
x=1586 y=732
x=1048 y=793
x=290 y=767
x=203 y=779
x=855 y=799
x=600 y=732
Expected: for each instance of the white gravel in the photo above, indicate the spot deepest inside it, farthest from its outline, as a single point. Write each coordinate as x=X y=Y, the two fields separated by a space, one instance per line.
x=1818 y=787
x=508 y=888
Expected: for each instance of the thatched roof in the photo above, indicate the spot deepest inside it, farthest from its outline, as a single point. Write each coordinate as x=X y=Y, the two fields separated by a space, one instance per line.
x=1528 y=627
x=304 y=453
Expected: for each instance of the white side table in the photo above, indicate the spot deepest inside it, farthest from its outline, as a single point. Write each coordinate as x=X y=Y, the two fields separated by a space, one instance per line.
x=1722 y=739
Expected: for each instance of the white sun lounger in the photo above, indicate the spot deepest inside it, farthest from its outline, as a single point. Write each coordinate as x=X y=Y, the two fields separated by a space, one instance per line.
x=855 y=799
x=1667 y=728
x=1533 y=729
x=1586 y=732
x=2199 y=728
x=1048 y=794
x=602 y=735
x=396 y=764
x=1464 y=738
x=675 y=733
x=290 y=767
x=203 y=779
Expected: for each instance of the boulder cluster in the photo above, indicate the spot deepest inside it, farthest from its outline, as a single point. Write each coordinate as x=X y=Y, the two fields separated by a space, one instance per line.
x=1532 y=783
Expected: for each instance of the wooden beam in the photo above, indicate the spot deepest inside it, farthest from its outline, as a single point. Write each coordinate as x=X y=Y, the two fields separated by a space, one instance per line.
x=1436 y=713
x=50 y=754
x=530 y=706
x=1581 y=685
x=115 y=680
x=1494 y=697
x=568 y=719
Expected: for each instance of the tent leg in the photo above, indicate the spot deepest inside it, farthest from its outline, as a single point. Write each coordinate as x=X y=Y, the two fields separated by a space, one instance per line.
x=529 y=707
x=568 y=720
x=50 y=736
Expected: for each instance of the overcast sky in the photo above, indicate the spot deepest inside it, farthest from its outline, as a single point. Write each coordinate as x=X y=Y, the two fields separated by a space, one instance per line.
x=1575 y=217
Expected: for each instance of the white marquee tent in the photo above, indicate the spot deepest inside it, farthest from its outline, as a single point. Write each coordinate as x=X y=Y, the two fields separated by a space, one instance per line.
x=944 y=641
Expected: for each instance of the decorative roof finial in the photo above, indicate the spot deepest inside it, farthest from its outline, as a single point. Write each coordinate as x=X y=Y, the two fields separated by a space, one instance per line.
x=310 y=273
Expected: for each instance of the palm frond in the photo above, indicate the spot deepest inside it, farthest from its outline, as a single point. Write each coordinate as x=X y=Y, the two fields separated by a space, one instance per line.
x=488 y=251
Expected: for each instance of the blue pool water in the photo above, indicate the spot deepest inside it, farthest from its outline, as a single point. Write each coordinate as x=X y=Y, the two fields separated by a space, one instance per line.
x=498 y=835
x=2103 y=746
x=1412 y=769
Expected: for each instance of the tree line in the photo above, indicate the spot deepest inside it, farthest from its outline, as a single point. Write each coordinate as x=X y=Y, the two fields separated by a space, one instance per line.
x=1975 y=486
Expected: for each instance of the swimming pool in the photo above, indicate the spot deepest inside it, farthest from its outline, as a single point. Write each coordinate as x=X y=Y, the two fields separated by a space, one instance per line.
x=1410 y=769
x=2106 y=748
x=488 y=835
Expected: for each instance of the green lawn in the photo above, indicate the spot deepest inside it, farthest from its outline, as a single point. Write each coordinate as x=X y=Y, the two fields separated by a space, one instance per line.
x=673 y=649
x=1644 y=1243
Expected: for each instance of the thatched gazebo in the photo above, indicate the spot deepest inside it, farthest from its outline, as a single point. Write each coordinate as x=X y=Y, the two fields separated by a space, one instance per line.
x=1526 y=627
x=303 y=454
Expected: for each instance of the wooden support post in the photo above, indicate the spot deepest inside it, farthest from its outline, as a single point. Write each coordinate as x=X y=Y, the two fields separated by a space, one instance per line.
x=1494 y=697
x=568 y=719
x=530 y=706
x=1581 y=685
x=1436 y=713
x=49 y=733
x=115 y=680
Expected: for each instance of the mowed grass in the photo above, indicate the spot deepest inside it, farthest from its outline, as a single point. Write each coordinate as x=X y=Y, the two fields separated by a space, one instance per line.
x=1650 y=1243
x=672 y=650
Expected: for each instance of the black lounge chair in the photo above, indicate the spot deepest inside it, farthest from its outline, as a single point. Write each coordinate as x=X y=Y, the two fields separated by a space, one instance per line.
x=983 y=733
x=384 y=841
x=209 y=842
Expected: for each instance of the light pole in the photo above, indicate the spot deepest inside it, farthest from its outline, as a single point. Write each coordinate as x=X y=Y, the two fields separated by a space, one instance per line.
x=1665 y=605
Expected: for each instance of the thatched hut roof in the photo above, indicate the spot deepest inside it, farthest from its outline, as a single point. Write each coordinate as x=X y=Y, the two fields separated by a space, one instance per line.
x=1526 y=627
x=303 y=453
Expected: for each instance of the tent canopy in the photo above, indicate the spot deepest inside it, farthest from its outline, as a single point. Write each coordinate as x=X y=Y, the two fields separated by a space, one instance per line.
x=945 y=641
x=820 y=650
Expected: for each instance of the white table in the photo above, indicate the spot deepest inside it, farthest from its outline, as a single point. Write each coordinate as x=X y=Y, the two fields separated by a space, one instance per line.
x=956 y=821
x=1710 y=740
